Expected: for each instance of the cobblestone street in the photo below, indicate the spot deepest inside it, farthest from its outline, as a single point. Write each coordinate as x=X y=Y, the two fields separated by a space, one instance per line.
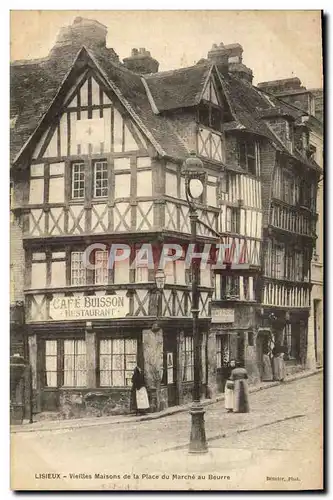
x=270 y=441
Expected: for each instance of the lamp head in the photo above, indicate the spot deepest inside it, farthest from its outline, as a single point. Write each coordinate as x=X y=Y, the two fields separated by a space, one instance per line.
x=195 y=176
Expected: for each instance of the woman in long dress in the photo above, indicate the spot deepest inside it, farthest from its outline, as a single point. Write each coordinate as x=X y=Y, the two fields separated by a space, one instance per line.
x=139 y=395
x=241 y=389
x=279 y=365
x=267 y=374
x=229 y=387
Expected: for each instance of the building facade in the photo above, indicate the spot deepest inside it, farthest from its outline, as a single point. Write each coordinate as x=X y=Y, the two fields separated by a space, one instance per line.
x=311 y=140
x=97 y=153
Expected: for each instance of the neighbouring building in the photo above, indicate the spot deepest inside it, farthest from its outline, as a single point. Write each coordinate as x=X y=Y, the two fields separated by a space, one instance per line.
x=97 y=151
x=311 y=140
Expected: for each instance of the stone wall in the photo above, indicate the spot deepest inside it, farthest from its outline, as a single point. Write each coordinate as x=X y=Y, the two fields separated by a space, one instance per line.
x=98 y=403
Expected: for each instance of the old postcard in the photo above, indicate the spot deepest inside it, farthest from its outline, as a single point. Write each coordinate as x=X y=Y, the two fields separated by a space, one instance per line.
x=166 y=307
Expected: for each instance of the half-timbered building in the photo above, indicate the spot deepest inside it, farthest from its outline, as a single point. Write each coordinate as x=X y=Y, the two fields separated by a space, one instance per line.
x=97 y=153
x=309 y=141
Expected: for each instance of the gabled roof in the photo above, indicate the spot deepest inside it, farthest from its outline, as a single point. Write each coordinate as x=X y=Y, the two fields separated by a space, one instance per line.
x=36 y=92
x=180 y=88
x=34 y=87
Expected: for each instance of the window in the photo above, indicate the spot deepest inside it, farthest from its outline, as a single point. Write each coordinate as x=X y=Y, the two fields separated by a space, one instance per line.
x=246 y=288
x=51 y=379
x=229 y=287
x=101 y=181
x=117 y=360
x=75 y=363
x=249 y=156
x=78 y=271
x=278 y=261
x=188 y=360
x=232 y=220
x=101 y=267
x=222 y=350
x=78 y=180
x=299 y=274
x=210 y=115
x=141 y=268
x=291 y=340
x=38 y=270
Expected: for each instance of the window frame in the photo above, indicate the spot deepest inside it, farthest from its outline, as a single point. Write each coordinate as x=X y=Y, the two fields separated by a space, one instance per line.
x=81 y=164
x=60 y=364
x=81 y=268
x=104 y=271
x=99 y=163
x=75 y=355
x=244 y=144
x=111 y=354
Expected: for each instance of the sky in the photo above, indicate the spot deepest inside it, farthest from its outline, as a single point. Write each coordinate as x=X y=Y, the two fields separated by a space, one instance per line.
x=277 y=44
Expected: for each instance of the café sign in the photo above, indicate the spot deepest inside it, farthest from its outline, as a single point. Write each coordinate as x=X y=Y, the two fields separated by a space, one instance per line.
x=89 y=307
x=223 y=315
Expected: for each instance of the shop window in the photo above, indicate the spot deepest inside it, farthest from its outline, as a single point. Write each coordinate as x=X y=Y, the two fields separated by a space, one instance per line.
x=101 y=181
x=75 y=374
x=117 y=360
x=291 y=340
x=188 y=360
x=51 y=359
x=222 y=350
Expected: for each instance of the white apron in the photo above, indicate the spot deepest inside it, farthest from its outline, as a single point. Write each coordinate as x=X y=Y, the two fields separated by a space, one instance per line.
x=142 y=402
x=228 y=397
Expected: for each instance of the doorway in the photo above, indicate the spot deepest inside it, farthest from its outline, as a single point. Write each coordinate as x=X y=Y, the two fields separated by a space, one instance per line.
x=170 y=369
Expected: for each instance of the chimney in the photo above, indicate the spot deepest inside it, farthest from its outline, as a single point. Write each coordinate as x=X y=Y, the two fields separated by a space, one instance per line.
x=280 y=86
x=83 y=31
x=235 y=60
x=219 y=56
x=140 y=61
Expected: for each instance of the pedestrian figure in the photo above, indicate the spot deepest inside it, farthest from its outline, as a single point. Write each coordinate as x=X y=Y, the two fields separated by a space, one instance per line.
x=139 y=395
x=278 y=364
x=229 y=387
x=267 y=374
x=241 y=389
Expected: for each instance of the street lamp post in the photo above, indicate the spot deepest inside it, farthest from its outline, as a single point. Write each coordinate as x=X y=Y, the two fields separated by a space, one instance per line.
x=194 y=185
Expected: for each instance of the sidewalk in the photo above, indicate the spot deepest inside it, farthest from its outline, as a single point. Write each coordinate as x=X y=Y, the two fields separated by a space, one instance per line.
x=121 y=419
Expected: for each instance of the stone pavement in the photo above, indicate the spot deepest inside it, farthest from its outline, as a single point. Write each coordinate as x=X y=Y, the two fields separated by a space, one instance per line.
x=47 y=425
x=282 y=435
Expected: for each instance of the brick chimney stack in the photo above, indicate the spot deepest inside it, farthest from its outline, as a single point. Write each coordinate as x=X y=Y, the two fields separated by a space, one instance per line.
x=218 y=55
x=140 y=61
x=87 y=32
x=229 y=59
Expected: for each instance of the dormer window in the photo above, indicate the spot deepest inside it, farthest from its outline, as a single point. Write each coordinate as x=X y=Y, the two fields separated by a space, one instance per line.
x=210 y=112
x=210 y=115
